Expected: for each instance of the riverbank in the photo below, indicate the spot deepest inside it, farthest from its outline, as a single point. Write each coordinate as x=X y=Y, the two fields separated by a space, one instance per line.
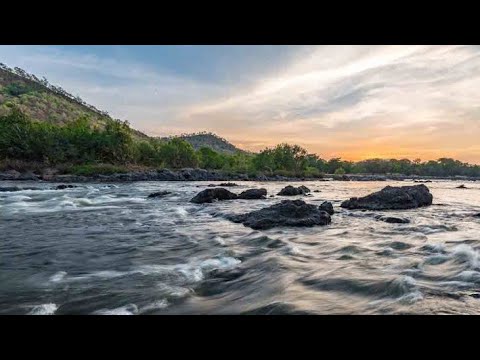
x=206 y=175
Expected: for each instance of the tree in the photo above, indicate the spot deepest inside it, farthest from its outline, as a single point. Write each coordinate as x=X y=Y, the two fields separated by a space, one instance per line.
x=210 y=159
x=339 y=171
x=178 y=153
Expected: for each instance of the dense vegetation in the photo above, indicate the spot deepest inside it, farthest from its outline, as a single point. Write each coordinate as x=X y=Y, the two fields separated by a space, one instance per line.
x=89 y=148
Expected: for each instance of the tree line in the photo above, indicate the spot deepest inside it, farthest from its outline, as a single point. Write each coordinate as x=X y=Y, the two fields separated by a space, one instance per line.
x=84 y=142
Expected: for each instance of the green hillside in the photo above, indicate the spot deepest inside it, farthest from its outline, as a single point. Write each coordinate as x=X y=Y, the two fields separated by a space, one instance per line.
x=210 y=140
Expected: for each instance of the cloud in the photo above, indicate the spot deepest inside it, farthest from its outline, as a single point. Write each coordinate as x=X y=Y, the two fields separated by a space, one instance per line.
x=349 y=101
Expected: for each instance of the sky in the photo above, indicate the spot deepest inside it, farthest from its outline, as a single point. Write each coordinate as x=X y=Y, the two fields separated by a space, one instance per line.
x=353 y=102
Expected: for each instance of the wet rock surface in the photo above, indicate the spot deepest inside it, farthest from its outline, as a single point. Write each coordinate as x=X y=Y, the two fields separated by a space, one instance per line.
x=159 y=194
x=251 y=194
x=16 y=188
x=292 y=191
x=228 y=184
x=392 y=219
x=327 y=206
x=210 y=195
x=392 y=198
x=286 y=213
x=64 y=186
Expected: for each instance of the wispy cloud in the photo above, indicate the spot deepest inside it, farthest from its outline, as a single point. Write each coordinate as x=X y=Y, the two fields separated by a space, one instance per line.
x=350 y=101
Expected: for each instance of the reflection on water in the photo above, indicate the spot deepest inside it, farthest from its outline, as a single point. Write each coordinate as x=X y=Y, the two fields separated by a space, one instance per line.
x=107 y=249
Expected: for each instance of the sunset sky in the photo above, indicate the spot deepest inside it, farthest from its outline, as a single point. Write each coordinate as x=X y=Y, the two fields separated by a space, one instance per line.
x=353 y=102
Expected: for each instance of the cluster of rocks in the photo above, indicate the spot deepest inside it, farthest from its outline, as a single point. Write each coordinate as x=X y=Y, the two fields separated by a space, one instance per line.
x=299 y=213
x=189 y=174
x=285 y=213
x=220 y=194
x=64 y=186
x=147 y=175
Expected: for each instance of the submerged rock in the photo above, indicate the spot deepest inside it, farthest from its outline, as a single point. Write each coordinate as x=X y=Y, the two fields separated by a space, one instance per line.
x=393 y=220
x=291 y=191
x=16 y=188
x=228 y=184
x=159 y=194
x=253 y=194
x=63 y=186
x=285 y=213
x=392 y=198
x=327 y=206
x=316 y=190
x=209 y=195
x=10 y=188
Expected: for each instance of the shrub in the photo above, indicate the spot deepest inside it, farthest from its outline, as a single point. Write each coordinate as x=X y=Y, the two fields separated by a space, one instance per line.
x=93 y=169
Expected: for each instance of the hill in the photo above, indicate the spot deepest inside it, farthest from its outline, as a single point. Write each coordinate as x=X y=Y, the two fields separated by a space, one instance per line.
x=42 y=101
x=210 y=140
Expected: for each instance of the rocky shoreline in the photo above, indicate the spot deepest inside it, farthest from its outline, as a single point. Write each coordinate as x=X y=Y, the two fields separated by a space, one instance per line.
x=207 y=175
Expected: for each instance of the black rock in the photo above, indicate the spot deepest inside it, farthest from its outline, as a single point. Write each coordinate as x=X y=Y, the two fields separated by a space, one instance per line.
x=159 y=194
x=63 y=186
x=327 y=206
x=272 y=196
x=209 y=195
x=316 y=190
x=16 y=188
x=253 y=194
x=477 y=215
x=392 y=198
x=291 y=191
x=285 y=213
x=462 y=187
x=228 y=184
x=393 y=220
x=10 y=188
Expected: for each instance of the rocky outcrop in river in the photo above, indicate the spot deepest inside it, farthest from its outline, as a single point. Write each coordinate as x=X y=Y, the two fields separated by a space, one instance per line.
x=285 y=213
x=392 y=198
x=251 y=194
x=327 y=206
x=209 y=195
x=292 y=191
x=219 y=194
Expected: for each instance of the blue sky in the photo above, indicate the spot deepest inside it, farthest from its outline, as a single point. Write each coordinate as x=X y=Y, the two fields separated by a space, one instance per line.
x=348 y=101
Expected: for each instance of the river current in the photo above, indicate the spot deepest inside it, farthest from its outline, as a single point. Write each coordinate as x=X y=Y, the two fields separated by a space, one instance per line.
x=108 y=249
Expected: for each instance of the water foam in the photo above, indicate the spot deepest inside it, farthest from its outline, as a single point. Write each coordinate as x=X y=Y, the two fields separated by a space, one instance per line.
x=58 y=277
x=44 y=309
x=130 y=309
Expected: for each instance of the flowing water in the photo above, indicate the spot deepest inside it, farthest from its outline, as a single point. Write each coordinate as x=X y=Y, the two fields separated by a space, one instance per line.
x=107 y=249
